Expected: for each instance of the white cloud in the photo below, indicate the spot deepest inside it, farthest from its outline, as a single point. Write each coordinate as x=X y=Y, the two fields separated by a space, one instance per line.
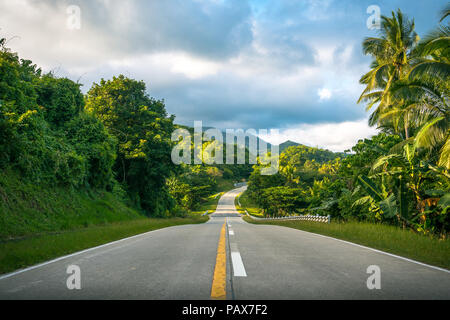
x=336 y=137
x=324 y=94
x=198 y=56
x=189 y=66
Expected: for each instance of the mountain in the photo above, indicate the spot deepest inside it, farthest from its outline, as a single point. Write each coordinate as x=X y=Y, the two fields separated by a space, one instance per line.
x=319 y=154
x=283 y=146
x=247 y=138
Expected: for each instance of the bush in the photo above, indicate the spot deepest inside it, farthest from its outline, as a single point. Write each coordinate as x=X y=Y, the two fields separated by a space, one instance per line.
x=91 y=139
x=61 y=98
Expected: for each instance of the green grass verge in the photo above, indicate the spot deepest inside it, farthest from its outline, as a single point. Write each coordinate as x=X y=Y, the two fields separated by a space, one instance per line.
x=224 y=184
x=15 y=254
x=210 y=204
x=387 y=238
x=248 y=204
x=28 y=209
x=239 y=208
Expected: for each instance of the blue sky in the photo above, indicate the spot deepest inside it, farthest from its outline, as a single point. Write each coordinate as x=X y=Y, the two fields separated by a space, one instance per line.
x=288 y=65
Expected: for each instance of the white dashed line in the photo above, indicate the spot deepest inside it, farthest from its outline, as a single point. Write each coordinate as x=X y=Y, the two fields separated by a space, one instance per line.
x=238 y=265
x=236 y=259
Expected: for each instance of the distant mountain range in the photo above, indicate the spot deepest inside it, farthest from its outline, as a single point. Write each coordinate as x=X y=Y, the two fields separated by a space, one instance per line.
x=283 y=146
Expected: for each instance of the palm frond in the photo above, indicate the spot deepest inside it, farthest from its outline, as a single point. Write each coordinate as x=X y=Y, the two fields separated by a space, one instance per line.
x=427 y=137
x=370 y=187
x=432 y=69
x=444 y=158
x=445 y=12
x=398 y=148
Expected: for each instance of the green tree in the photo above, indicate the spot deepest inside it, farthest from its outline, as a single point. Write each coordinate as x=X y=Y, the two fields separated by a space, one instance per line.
x=143 y=130
x=392 y=58
x=91 y=140
x=61 y=98
x=427 y=89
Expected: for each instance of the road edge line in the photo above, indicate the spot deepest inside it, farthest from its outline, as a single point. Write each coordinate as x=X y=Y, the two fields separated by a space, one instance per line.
x=365 y=247
x=11 y=274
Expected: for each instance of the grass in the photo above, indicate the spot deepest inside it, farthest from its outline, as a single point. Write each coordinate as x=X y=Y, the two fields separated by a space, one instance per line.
x=248 y=204
x=224 y=184
x=27 y=209
x=210 y=204
x=239 y=208
x=387 y=238
x=15 y=254
x=212 y=201
x=406 y=243
x=41 y=222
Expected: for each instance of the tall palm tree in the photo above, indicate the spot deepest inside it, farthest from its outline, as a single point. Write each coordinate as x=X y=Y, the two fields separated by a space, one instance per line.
x=427 y=88
x=392 y=54
x=409 y=85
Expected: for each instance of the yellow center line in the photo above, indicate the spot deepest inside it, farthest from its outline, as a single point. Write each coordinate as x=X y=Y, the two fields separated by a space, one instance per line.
x=219 y=286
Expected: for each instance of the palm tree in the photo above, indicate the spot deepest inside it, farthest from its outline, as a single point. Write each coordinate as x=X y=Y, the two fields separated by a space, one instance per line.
x=392 y=54
x=409 y=84
x=409 y=87
x=427 y=90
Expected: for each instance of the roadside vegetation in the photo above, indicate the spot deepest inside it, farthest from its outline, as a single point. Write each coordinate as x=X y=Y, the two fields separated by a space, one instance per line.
x=210 y=205
x=28 y=211
x=388 y=238
x=71 y=163
x=248 y=204
x=29 y=251
x=399 y=177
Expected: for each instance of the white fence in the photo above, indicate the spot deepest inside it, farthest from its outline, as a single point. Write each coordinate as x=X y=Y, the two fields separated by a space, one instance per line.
x=308 y=217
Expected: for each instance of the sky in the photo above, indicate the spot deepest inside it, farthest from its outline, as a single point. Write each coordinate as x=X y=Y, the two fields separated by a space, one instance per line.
x=263 y=64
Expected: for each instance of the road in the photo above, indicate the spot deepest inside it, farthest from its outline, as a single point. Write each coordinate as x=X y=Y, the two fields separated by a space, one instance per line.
x=227 y=258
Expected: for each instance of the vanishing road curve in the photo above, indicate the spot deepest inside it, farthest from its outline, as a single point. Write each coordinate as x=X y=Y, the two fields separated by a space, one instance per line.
x=227 y=258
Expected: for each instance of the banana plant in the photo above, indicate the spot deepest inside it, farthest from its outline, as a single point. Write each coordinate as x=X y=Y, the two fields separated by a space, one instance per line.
x=379 y=199
x=390 y=204
x=397 y=172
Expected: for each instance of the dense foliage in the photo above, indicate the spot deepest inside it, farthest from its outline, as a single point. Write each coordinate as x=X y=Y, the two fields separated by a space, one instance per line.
x=400 y=176
x=114 y=138
x=142 y=129
x=191 y=183
x=118 y=138
x=44 y=133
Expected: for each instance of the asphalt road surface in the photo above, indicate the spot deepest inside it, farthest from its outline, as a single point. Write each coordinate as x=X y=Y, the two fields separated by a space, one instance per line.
x=228 y=258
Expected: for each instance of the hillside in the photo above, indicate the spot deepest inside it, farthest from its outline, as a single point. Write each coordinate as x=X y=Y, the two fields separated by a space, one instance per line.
x=28 y=209
x=283 y=146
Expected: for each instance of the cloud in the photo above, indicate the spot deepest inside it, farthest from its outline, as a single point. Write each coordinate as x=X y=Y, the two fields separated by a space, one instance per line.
x=232 y=64
x=213 y=30
x=324 y=94
x=216 y=61
x=336 y=137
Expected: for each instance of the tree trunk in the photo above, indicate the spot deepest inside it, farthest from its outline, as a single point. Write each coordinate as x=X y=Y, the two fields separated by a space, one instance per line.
x=406 y=127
